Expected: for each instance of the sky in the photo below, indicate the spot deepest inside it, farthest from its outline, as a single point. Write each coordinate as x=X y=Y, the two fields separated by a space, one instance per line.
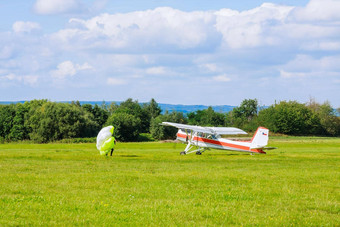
x=178 y=52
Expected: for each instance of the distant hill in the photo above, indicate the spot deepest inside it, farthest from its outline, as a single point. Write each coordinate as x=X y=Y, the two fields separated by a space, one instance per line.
x=165 y=107
x=192 y=108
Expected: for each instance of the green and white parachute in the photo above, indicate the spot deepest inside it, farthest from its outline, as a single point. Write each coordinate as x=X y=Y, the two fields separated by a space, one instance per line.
x=105 y=140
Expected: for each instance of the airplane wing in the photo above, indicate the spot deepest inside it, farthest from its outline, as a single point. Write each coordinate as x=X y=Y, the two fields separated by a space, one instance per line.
x=209 y=130
x=227 y=130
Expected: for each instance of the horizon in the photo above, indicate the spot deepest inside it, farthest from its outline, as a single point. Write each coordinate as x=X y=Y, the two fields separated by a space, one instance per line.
x=142 y=102
x=177 y=52
x=164 y=106
x=110 y=101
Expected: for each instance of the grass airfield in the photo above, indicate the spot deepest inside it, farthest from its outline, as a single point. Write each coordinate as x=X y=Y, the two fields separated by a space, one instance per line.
x=150 y=184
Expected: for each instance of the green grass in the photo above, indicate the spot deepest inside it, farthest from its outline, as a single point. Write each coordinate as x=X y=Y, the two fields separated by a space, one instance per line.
x=151 y=184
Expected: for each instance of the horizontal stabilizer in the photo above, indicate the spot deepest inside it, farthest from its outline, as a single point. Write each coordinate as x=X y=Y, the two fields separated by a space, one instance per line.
x=269 y=148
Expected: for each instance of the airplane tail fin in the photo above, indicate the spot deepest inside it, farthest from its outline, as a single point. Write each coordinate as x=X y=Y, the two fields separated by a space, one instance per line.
x=260 y=138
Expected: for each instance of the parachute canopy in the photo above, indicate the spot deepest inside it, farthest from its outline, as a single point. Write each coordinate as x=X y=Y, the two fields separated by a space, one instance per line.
x=105 y=140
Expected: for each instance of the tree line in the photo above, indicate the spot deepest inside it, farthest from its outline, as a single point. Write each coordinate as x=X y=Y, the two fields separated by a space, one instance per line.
x=45 y=121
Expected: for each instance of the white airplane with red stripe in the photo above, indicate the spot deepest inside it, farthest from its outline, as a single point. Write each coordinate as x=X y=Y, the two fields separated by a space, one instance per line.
x=210 y=137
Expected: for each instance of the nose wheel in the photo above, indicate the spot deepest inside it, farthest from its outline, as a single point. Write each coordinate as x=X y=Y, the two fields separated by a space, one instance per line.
x=198 y=153
x=183 y=153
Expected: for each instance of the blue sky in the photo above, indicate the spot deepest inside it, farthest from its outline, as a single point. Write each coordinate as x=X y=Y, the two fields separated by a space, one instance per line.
x=179 y=52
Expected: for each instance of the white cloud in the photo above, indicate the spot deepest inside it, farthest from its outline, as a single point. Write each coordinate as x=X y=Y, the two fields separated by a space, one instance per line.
x=307 y=68
x=156 y=70
x=26 y=79
x=67 y=69
x=323 y=45
x=306 y=63
x=115 y=81
x=285 y=74
x=305 y=33
x=85 y=66
x=5 y=52
x=250 y=28
x=222 y=78
x=199 y=31
x=174 y=30
x=187 y=49
x=320 y=76
x=57 y=6
x=12 y=76
x=318 y=10
x=210 y=67
x=25 y=26
x=64 y=69
x=30 y=79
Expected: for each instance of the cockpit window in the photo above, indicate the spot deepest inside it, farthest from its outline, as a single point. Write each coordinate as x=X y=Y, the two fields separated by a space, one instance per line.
x=186 y=130
x=213 y=137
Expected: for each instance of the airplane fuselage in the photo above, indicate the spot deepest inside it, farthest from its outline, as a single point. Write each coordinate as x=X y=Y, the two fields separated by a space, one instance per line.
x=210 y=141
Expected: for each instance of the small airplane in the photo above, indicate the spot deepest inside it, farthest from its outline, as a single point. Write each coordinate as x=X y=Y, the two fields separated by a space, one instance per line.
x=204 y=138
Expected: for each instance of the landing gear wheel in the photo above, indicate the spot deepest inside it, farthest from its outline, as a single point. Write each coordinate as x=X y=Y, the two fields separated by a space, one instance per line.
x=198 y=152
x=183 y=153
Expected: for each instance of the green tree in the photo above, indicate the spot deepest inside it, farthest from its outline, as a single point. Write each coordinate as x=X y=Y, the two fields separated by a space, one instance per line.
x=152 y=108
x=134 y=108
x=88 y=107
x=100 y=115
x=7 y=114
x=77 y=103
x=112 y=108
x=42 y=123
x=290 y=118
x=73 y=121
x=207 y=117
x=161 y=132
x=329 y=122
x=244 y=116
x=30 y=119
x=127 y=126
x=267 y=118
x=54 y=121
x=19 y=130
x=247 y=110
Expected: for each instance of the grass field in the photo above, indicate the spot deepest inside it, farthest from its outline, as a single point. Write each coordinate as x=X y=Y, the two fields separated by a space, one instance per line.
x=151 y=184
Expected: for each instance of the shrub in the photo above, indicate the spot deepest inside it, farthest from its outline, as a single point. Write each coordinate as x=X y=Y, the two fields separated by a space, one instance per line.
x=161 y=132
x=127 y=126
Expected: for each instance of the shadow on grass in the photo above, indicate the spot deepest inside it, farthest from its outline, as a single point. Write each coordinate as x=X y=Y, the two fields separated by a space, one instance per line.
x=222 y=154
x=236 y=154
x=128 y=156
